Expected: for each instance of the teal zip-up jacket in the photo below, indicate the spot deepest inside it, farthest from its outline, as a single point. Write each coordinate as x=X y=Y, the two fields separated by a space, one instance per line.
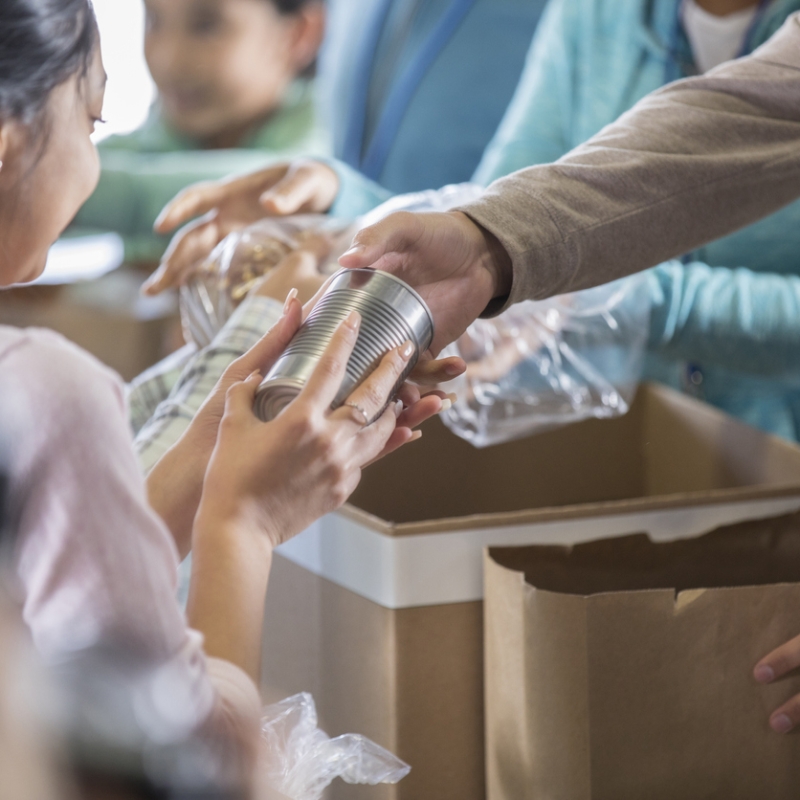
x=464 y=84
x=726 y=319
x=145 y=169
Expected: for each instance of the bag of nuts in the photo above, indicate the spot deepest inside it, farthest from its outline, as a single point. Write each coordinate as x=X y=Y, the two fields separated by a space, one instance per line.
x=242 y=258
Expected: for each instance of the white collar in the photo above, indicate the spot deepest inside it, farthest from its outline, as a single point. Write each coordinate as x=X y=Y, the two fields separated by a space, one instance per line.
x=714 y=39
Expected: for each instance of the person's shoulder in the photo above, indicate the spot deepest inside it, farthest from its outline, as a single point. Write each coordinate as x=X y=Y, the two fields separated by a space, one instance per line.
x=43 y=362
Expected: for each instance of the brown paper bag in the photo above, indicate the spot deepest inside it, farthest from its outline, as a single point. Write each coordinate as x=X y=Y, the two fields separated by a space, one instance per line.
x=622 y=669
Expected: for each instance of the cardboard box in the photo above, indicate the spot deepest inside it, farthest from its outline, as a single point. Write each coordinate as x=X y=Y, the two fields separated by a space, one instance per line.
x=622 y=669
x=108 y=317
x=376 y=609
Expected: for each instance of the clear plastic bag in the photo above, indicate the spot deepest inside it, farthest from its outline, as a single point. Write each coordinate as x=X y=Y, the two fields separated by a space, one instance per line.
x=301 y=760
x=444 y=199
x=242 y=258
x=549 y=363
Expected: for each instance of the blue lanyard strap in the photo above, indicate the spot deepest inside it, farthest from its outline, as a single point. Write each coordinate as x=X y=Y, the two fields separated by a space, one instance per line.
x=354 y=138
x=402 y=91
x=675 y=63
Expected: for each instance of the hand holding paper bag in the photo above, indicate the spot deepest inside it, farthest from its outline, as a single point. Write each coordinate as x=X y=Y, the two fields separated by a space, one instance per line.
x=781 y=661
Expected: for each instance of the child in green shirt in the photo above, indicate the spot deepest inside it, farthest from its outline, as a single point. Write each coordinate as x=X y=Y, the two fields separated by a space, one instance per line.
x=232 y=95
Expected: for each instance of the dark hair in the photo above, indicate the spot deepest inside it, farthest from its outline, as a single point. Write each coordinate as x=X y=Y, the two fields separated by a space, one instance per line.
x=42 y=44
x=292 y=6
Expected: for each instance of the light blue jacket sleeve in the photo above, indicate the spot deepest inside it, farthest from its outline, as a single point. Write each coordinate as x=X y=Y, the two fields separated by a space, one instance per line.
x=734 y=318
x=534 y=128
x=357 y=193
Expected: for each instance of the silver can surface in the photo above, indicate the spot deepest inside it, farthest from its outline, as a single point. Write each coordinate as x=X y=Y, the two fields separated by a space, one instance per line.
x=392 y=313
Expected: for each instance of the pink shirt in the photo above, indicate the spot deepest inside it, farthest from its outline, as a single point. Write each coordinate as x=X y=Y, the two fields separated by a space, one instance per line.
x=94 y=561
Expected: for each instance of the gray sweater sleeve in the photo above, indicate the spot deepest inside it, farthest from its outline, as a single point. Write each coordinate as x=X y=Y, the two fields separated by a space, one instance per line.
x=691 y=162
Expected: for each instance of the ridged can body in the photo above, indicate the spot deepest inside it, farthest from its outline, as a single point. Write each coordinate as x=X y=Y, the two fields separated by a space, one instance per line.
x=391 y=313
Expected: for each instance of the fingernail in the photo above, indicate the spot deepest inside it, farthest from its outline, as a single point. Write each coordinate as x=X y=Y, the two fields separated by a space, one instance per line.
x=397 y=407
x=780 y=723
x=453 y=369
x=288 y=302
x=406 y=350
x=414 y=436
x=253 y=375
x=764 y=674
x=446 y=404
x=277 y=201
x=452 y=397
x=355 y=250
x=353 y=320
x=149 y=284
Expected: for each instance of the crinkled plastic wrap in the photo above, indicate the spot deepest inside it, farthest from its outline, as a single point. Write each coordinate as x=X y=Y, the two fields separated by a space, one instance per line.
x=242 y=258
x=548 y=363
x=301 y=760
x=444 y=199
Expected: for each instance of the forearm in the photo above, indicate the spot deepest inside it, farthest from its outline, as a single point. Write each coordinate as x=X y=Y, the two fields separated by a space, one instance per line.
x=357 y=194
x=688 y=164
x=174 y=488
x=230 y=568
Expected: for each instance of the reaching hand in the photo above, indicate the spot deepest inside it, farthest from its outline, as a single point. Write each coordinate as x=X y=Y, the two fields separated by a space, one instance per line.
x=175 y=483
x=231 y=204
x=278 y=477
x=456 y=266
x=299 y=270
x=775 y=665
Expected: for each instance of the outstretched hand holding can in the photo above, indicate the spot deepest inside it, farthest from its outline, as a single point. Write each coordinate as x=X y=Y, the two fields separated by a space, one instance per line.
x=456 y=266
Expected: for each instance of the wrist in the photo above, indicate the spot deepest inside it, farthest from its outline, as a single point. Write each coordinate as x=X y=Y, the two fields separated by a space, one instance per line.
x=497 y=263
x=215 y=531
x=244 y=519
x=494 y=259
x=174 y=487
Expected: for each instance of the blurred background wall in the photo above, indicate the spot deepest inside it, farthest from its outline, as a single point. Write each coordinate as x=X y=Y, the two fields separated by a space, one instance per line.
x=130 y=90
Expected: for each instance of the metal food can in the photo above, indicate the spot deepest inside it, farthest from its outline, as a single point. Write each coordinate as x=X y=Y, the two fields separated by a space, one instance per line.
x=392 y=313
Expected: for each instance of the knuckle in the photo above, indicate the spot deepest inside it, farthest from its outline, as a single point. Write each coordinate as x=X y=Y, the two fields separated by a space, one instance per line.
x=331 y=365
x=340 y=493
x=396 y=362
x=335 y=475
x=372 y=397
x=326 y=447
x=304 y=426
x=228 y=423
x=404 y=217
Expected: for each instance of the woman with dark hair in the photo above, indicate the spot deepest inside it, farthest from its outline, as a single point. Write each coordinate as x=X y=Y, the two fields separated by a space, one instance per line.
x=233 y=91
x=97 y=549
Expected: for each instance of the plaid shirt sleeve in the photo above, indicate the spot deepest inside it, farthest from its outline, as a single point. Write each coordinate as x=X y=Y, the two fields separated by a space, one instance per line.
x=146 y=391
x=248 y=323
